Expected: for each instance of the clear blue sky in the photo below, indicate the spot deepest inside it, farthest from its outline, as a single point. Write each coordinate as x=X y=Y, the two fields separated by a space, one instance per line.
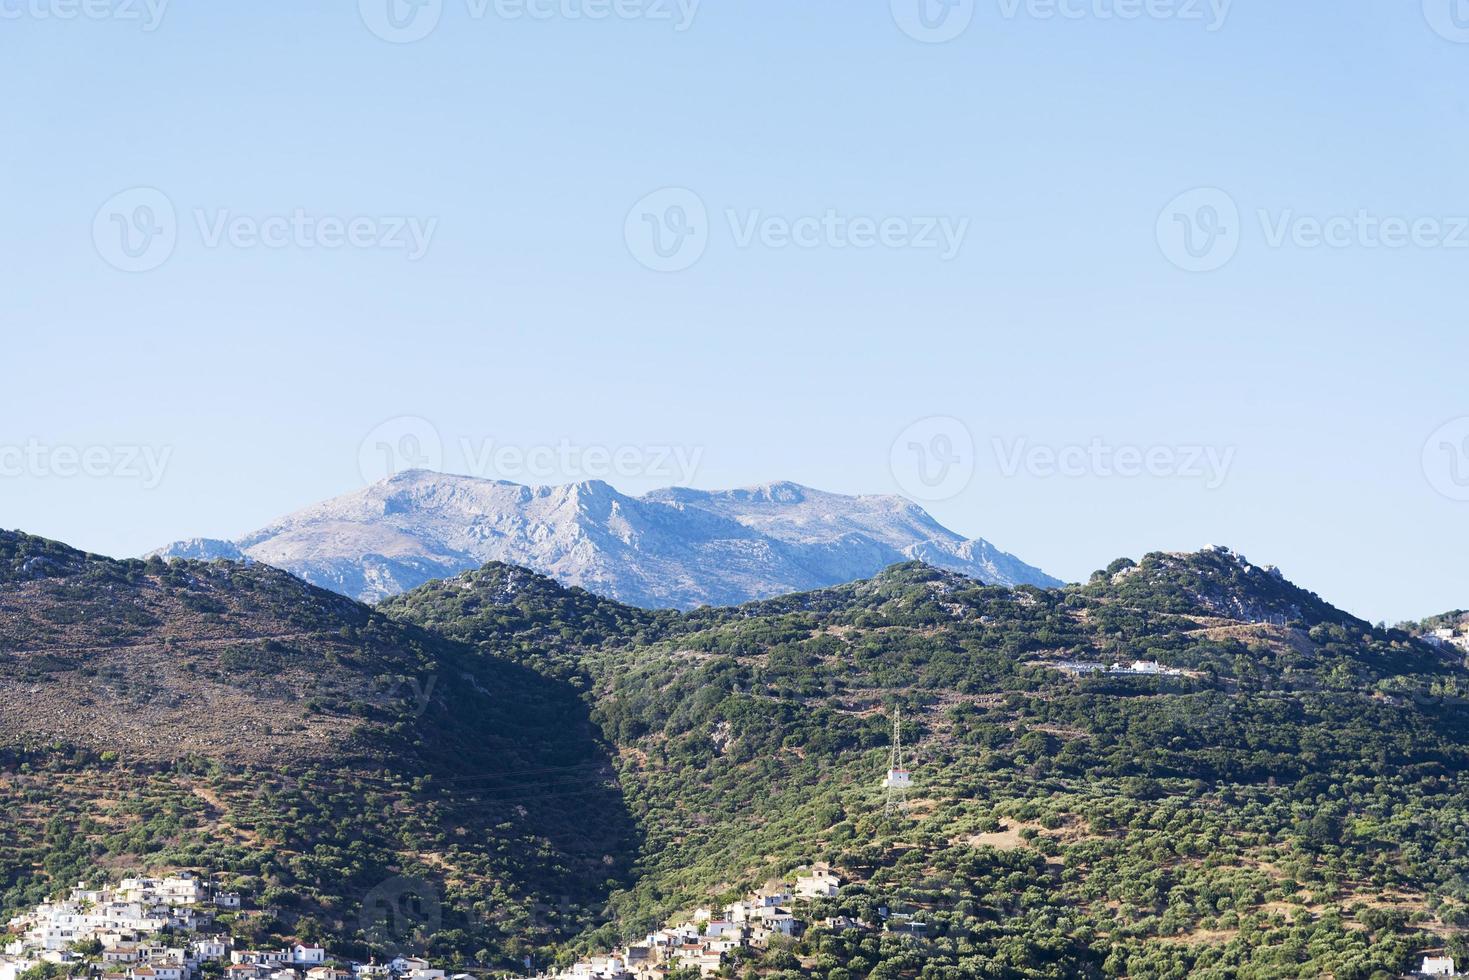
x=530 y=321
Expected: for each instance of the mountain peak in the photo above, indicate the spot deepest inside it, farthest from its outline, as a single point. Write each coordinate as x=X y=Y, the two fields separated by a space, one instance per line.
x=1240 y=561
x=1215 y=581
x=669 y=548
x=513 y=603
x=593 y=489
x=414 y=476
x=202 y=549
x=25 y=557
x=778 y=492
x=502 y=584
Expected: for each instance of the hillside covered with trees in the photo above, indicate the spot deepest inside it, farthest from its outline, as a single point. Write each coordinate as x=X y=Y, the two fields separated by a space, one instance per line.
x=1283 y=795
x=1290 y=803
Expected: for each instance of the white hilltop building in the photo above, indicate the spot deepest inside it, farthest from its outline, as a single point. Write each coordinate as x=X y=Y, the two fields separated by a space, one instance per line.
x=1449 y=636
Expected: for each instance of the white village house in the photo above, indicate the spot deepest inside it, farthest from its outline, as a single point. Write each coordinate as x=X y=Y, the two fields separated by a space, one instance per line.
x=820 y=884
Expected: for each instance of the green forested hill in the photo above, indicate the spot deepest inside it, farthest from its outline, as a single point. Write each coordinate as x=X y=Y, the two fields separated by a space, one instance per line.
x=1293 y=805
x=553 y=767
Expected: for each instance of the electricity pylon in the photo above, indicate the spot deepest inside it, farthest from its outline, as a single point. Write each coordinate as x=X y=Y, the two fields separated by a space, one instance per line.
x=898 y=779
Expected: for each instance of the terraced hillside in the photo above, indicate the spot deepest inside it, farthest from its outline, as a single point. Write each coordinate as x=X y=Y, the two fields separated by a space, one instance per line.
x=537 y=770
x=1292 y=802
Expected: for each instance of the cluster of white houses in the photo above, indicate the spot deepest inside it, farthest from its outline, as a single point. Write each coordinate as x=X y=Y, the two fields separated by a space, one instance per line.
x=706 y=941
x=126 y=920
x=120 y=919
x=162 y=929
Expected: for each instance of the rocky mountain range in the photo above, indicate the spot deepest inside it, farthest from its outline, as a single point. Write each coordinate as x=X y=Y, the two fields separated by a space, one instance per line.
x=675 y=548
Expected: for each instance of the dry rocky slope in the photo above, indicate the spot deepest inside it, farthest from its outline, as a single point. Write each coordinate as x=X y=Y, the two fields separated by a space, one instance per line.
x=675 y=548
x=231 y=717
x=164 y=660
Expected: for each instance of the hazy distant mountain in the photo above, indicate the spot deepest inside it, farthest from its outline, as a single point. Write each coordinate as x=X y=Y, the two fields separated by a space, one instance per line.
x=670 y=548
x=206 y=549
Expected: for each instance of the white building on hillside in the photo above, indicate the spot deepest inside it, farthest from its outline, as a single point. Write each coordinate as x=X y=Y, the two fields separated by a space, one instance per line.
x=307 y=955
x=822 y=884
x=212 y=948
